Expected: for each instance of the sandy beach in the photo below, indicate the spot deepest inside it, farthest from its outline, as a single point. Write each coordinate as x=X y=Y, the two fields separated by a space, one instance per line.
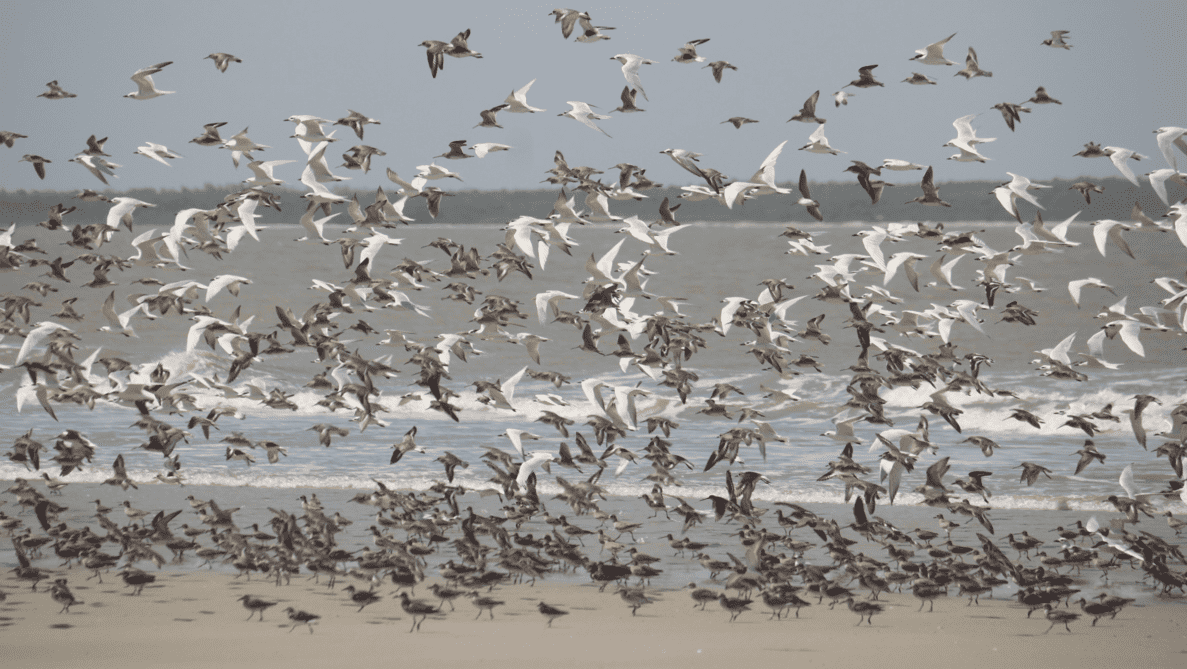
x=193 y=619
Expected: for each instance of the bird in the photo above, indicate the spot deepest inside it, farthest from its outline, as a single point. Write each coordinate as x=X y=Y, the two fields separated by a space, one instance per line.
x=818 y=143
x=807 y=113
x=630 y=69
x=550 y=612
x=256 y=605
x=362 y=597
x=407 y=444
x=56 y=92
x=1056 y=40
x=720 y=66
x=917 y=79
x=931 y=193
x=517 y=101
x=300 y=618
x=582 y=112
x=628 y=101
x=739 y=121
x=865 y=78
x=157 y=152
x=806 y=200
x=971 y=67
x=933 y=54
x=38 y=162
x=1041 y=98
x=222 y=61
x=688 y=52
x=416 y=607
x=487 y=604
x=146 y=89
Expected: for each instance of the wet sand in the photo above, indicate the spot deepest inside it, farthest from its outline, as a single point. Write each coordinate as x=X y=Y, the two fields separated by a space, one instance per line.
x=193 y=619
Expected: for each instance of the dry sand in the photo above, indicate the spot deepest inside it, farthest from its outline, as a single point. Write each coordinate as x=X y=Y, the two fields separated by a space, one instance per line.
x=192 y=618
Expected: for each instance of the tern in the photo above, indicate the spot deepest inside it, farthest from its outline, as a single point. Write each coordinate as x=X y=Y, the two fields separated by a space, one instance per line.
x=147 y=90
x=581 y=112
x=158 y=152
x=933 y=54
x=818 y=143
x=517 y=101
x=630 y=70
x=1056 y=41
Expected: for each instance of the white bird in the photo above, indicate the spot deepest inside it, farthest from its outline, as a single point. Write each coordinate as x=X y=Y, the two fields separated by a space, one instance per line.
x=906 y=260
x=121 y=211
x=37 y=335
x=262 y=172
x=433 y=171
x=228 y=281
x=630 y=70
x=1158 y=179
x=841 y=98
x=899 y=165
x=538 y=460
x=581 y=112
x=146 y=89
x=1129 y=331
x=158 y=152
x=966 y=137
x=517 y=437
x=1120 y=158
x=484 y=148
x=314 y=228
x=97 y=166
x=1074 y=288
x=119 y=323
x=1168 y=138
x=933 y=54
x=818 y=143
x=1108 y=230
x=517 y=101
x=1096 y=352
x=241 y=145
x=550 y=299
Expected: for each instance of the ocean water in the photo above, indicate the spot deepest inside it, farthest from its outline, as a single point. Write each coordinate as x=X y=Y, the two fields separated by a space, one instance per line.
x=713 y=262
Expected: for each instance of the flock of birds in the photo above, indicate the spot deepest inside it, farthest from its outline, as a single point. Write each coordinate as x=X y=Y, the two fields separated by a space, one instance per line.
x=486 y=551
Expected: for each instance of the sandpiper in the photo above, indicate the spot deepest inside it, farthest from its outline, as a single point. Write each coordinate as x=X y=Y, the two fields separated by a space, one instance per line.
x=255 y=604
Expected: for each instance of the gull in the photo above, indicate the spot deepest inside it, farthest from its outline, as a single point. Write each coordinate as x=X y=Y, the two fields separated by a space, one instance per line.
x=1041 y=97
x=581 y=112
x=356 y=122
x=628 y=101
x=1108 y=230
x=865 y=78
x=55 y=92
x=567 y=18
x=807 y=113
x=1056 y=41
x=630 y=70
x=241 y=145
x=818 y=143
x=39 y=164
x=157 y=152
x=96 y=165
x=971 y=67
x=1074 y=288
x=811 y=205
x=718 y=67
x=931 y=194
x=917 y=79
x=899 y=165
x=1120 y=158
x=688 y=52
x=739 y=121
x=933 y=54
x=146 y=89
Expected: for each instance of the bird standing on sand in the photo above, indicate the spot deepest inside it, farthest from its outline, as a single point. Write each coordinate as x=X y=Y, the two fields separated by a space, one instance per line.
x=416 y=607
x=485 y=603
x=255 y=604
x=299 y=618
x=550 y=612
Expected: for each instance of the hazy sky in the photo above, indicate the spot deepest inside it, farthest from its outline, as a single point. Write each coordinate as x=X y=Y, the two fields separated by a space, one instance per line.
x=1124 y=76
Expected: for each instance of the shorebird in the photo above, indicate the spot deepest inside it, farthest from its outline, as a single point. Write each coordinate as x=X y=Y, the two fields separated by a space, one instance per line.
x=917 y=79
x=931 y=194
x=255 y=604
x=719 y=66
x=971 y=67
x=739 y=121
x=865 y=78
x=56 y=92
x=807 y=113
x=299 y=618
x=628 y=101
x=735 y=605
x=688 y=52
x=550 y=612
x=567 y=18
x=362 y=597
x=222 y=61
x=416 y=607
x=485 y=603
x=864 y=610
x=806 y=200
x=634 y=597
x=1041 y=98
x=146 y=89
x=1058 y=616
x=38 y=162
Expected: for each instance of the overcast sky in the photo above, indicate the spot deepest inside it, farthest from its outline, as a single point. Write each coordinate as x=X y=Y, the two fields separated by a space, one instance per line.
x=1124 y=77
